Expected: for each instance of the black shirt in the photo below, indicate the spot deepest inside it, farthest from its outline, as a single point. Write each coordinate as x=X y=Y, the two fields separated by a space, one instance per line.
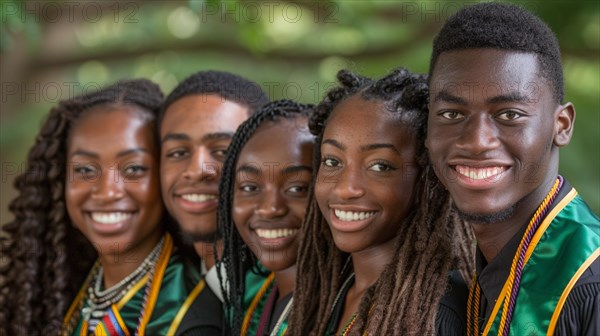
x=204 y=317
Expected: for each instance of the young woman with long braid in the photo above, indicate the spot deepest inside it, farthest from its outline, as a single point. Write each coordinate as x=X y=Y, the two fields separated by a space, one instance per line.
x=263 y=199
x=380 y=240
x=90 y=203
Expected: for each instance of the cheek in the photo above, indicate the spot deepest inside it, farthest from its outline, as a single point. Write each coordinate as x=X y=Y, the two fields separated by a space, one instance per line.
x=168 y=175
x=322 y=190
x=74 y=198
x=298 y=210
x=148 y=190
x=241 y=213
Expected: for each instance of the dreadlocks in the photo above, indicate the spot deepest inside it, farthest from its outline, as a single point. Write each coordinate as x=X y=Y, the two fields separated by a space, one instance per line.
x=431 y=241
x=237 y=258
x=47 y=257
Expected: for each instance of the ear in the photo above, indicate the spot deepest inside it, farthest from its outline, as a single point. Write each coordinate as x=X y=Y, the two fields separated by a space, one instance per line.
x=563 y=125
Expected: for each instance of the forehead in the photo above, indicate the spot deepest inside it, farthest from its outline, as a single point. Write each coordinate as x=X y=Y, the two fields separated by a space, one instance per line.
x=282 y=141
x=113 y=127
x=198 y=115
x=463 y=71
x=357 y=120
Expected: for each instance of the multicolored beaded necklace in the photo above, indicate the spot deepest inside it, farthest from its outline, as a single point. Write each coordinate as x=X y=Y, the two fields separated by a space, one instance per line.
x=516 y=271
x=154 y=280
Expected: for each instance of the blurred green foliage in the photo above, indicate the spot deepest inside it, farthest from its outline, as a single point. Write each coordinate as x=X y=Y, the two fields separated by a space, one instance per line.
x=292 y=48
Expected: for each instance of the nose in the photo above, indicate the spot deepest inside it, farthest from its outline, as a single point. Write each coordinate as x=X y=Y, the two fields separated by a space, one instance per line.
x=349 y=183
x=109 y=186
x=272 y=204
x=202 y=166
x=479 y=135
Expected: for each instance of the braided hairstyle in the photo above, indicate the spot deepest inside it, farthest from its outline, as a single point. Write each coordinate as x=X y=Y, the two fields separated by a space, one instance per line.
x=47 y=258
x=224 y=84
x=430 y=241
x=237 y=258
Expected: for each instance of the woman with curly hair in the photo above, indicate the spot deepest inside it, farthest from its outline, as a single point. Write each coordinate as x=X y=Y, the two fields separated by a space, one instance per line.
x=379 y=240
x=91 y=192
x=263 y=197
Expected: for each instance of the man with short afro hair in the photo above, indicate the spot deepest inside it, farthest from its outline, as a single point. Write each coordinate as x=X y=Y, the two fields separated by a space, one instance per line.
x=496 y=123
x=196 y=125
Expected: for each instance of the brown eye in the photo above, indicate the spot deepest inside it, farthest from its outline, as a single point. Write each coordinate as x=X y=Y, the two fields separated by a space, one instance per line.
x=452 y=115
x=330 y=162
x=509 y=115
x=177 y=153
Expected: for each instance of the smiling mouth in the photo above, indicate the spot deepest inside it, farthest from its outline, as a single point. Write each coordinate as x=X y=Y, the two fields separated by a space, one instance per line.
x=276 y=233
x=349 y=216
x=110 y=217
x=483 y=173
x=198 y=198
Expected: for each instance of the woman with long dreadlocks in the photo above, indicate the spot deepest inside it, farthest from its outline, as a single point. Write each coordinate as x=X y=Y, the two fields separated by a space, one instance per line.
x=91 y=192
x=379 y=241
x=263 y=199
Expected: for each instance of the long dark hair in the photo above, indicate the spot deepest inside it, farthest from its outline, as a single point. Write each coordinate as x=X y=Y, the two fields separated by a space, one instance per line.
x=237 y=258
x=47 y=258
x=404 y=300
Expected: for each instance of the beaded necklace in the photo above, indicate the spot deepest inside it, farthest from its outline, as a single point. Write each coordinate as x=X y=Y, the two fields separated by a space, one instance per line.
x=514 y=278
x=343 y=289
x=151 y=289
x=99 y=300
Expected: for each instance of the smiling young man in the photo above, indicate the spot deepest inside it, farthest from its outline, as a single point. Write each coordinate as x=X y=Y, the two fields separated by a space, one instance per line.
x=197 y=123
x=496 y=123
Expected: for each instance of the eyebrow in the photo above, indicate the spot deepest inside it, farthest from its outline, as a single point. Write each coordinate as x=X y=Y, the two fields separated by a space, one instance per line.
x=513 y=97
x=375 y=146
x=120 y=154
x=334 y=143
x=252 y=169
x=295 y=169
x=206 y=137
x=249 y=169
x=364 y=148
x=449 y=98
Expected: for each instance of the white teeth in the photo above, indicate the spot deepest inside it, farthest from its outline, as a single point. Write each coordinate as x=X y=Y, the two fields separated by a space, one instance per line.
x=110 y=217
x=278 y=233
x=348 y=216
x=198 y=197
x=480 y=173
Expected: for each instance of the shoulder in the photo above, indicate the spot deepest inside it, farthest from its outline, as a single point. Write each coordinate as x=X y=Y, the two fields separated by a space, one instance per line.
x=205 y=314
x=451 y=316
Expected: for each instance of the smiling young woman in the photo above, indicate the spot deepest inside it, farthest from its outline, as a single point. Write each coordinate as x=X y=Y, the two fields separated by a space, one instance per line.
x=96 y=188
x=264 y=193
x=379 y=241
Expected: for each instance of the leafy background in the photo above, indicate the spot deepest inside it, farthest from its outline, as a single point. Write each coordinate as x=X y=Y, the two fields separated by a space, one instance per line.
x=52 y=50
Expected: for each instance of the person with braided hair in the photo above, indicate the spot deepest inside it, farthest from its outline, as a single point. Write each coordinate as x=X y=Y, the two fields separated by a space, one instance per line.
x=91 y=192
x=381 y=249
x=263 y=196
x=497 y=121
x=196 y=124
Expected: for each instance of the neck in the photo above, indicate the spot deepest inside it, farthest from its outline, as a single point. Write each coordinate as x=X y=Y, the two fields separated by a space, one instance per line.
x=118 y=266
x=492 y=237
x=368 y=264
x=286 y=281
x=206 y=251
